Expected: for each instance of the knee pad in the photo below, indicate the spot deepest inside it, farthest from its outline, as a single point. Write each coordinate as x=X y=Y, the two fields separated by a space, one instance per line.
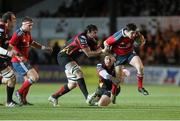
x=71 y=84
x=33 y=77
x=8 y=75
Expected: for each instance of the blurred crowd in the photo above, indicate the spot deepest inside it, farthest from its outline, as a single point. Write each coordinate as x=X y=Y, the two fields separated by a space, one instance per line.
x=99 y=8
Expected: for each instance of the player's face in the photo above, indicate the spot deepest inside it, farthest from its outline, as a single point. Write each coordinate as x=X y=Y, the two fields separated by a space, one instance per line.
x=109 y=61
x=132 y=34
x=12 y=22
x=27 y=26
x=92 y=34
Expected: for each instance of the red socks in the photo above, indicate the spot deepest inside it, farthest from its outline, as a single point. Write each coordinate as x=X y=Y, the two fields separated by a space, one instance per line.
x=114 y=89
x=25 y=86
x=140 y=81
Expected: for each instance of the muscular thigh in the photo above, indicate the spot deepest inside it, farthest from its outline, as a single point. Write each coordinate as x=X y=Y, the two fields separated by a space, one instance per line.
x=73 y=71
x=7 y=75
x=136 y=61
x=32 y=72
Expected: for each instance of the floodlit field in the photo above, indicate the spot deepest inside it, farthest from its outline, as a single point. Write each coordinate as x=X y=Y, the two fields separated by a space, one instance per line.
x=162 y=103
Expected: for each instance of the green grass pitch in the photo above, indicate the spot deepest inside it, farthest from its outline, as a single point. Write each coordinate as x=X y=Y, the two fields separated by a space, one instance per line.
x=162 y=103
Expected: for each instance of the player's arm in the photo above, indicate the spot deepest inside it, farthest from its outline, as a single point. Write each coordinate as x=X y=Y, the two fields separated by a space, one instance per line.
x=142 y=39
x=104 y=74
x=91 y=53
x=2 y=35
x=112 y=40
x=85 y=48
x=39 y=46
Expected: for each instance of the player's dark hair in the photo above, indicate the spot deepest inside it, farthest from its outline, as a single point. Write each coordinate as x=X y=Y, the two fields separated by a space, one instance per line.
x=27 y=19
x=90 y=28
x=7 y=16
x=131 y=27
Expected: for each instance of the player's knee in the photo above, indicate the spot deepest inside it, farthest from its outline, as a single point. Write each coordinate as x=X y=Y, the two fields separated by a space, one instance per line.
x=71 y=85
x=104 y=101
x=140 y=69
x=74 y=69
x=8 y=77
x=12 y=82
x=34 y=78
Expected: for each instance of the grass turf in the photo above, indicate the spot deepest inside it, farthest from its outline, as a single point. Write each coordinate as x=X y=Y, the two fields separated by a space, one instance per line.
x=162 y=103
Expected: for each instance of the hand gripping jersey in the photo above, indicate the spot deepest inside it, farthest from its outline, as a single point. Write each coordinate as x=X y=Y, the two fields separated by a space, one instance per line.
x=21 y=42
x=121 y=45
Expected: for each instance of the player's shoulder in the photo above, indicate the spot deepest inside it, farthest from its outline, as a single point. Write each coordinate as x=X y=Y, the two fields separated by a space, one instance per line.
x=19 y=32
x=82 y=38
x=120 y=33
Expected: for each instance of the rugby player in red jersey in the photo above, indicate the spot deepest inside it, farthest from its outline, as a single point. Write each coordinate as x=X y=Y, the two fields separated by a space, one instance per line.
x=122 y=46
x=82 y=43
x=7 y=23
x=21 y=42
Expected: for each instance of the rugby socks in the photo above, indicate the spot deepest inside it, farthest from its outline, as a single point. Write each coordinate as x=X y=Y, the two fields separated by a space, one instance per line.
x=140 y=81
x=63 y=90
x=82 y=86
x=114 y=89
x=9 y=91
x=24 y=95
x=25 y=85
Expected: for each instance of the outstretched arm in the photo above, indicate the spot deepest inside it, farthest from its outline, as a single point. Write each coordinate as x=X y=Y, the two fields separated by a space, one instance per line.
x=91 y=53
x=39 y=46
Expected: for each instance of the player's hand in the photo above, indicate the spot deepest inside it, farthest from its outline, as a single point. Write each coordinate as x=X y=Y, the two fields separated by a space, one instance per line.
x=103 y=50
x=49 y=49
x=11 y=53
x=99 y=50
x=115 y=80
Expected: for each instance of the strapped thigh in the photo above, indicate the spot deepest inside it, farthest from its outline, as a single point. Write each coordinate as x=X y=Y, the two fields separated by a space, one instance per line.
x=7 y=74
x=71 y=69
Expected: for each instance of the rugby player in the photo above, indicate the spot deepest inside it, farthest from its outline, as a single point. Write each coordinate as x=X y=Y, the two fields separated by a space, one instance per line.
x=21 y=41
